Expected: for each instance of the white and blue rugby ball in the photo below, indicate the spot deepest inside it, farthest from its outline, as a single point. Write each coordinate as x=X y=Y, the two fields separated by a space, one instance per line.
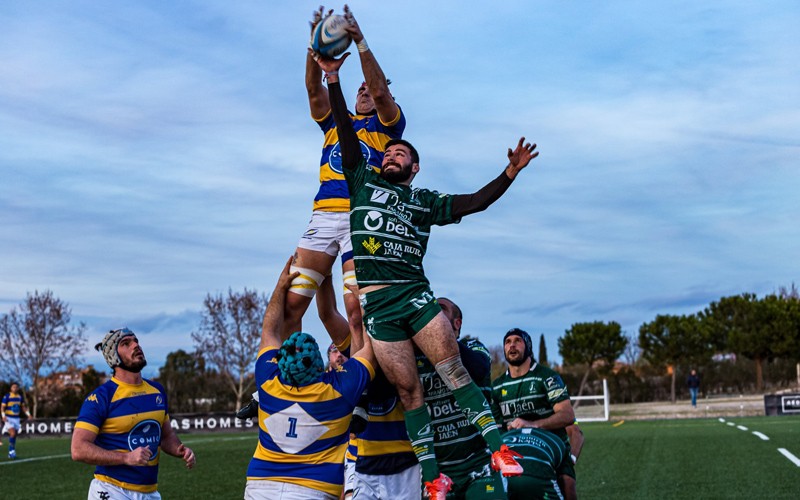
x=330 y=38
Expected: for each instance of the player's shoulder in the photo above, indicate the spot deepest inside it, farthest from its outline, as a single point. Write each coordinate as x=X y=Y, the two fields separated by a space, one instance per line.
x=155 y=384
x=501 y=379
x=103 y=392
x=542 y=370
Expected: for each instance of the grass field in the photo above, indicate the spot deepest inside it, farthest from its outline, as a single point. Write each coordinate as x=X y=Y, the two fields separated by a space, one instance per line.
x=664 y=459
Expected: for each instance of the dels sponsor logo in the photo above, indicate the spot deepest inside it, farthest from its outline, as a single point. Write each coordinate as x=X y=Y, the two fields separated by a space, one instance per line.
x=146 y=433
x=373 y=220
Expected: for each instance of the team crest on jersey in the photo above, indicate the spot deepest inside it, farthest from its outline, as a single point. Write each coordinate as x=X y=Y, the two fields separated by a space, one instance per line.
x=159 y=400
x=371 y=245
x=335 y=158
x=146 y=433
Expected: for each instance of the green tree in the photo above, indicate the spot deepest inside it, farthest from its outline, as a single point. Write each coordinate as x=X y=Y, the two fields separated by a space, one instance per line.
x=36 y=339
x=542 y=351
x=229 y=335
x=591 y=343
x=183 y=376
x=674 y=341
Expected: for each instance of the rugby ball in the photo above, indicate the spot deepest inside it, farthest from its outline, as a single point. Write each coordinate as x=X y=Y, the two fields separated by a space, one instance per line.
x=330 y=38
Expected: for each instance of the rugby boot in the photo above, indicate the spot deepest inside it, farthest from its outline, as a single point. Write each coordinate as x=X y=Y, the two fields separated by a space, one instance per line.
x=249 y=410
x=505 y=461
x=438 y=488
x=13 y=454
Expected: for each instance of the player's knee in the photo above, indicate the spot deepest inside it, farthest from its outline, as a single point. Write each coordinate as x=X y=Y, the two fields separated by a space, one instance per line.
x=307 y=282
x=453 y=372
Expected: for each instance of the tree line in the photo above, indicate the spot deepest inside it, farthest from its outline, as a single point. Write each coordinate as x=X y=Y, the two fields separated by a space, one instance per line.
x=738 y=343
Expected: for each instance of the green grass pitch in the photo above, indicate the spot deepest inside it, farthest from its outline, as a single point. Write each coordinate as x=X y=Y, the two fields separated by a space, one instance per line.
x=665 y=459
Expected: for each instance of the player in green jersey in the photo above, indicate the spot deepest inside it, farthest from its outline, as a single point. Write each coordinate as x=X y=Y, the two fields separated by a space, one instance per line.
x=532 y=395
x=461 y=452
x=543 y=453
x=390 y=224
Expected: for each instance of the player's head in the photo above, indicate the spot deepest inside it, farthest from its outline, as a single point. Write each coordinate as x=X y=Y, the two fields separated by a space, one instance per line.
x=365 y=104
x=517 y=346
x=120 y=349
x=335 y=358
x=453 y=313
x=299 y=359
x=400 y=162
x=14 y=387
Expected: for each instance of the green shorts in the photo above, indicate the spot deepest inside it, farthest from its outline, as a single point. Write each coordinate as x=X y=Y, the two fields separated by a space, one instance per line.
x=476 y=482
x=398 y=312
x=527 y=487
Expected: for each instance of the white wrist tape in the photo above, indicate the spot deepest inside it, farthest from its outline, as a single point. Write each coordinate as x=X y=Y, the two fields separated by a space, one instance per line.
x=362 y=45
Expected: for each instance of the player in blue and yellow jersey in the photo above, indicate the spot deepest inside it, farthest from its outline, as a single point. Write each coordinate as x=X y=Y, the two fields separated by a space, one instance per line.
x=387 y=467
x=11 y=408
x=304 y=412
x=123 y=426
x=377 y=119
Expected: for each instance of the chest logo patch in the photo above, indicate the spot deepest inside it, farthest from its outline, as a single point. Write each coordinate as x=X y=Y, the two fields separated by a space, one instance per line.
x=373 y=221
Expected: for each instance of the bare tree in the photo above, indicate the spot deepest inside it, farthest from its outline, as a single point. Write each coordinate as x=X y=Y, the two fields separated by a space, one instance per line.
x=36 y=339
x=229 y=335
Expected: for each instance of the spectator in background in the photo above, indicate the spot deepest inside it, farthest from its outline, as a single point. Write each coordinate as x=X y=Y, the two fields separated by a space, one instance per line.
x=693 y=381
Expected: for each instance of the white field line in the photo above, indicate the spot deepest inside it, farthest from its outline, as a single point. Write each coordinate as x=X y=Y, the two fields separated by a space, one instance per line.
x=23 y=460
x=786 y=453
x=189 y=441
x=722 y=420
x=731 y=424
x=763 y=437
x=741 y=427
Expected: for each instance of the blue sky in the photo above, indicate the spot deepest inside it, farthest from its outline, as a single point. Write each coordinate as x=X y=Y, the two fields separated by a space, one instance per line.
x=154 y=152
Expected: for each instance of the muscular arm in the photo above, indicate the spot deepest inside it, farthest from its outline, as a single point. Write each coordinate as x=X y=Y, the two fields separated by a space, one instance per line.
x=317 y=93
x=84 y=450
x=172 y=445
x=272 y=325
x=561 y=418
x=576 y=439
x=378 y=88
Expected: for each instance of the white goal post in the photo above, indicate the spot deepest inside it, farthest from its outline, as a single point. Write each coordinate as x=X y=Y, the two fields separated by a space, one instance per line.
x=598 y=408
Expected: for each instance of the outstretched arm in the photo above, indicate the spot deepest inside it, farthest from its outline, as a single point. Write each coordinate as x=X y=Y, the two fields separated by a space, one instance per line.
x=348 y=141
x=317 y=93
x=373 y=74
x=519 y=158
x=272 y=326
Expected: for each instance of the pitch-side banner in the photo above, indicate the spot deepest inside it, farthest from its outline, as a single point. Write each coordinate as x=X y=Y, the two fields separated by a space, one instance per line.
x=182 y=423
x=782 y=404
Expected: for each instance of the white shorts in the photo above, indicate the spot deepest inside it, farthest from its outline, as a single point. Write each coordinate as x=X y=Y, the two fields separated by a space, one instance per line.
x=405 y=485
x=264 y=489
x=328 y=232
x=12 y=423
x=101 y=490
x=349 y=476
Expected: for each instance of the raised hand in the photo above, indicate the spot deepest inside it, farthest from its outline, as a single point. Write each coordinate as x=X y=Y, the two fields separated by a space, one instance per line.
x=352 y=25
x=520 y=157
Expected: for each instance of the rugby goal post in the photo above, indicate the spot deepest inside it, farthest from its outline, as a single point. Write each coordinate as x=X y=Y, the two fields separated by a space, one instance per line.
x=597 y=409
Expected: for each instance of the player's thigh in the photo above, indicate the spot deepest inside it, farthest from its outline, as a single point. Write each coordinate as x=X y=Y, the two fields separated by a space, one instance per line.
x=491 y=487
x=326 y=232
x=398 y=363
x=436 y=339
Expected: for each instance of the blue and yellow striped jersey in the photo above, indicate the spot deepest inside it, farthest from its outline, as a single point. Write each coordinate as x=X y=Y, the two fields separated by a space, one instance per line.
x=333 y=195
x=13 y=402
x=303 y=431
x=126 y=417
x=384 y=447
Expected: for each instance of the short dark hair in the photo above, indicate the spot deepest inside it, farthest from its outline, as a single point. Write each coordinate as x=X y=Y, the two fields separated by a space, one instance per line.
x=457 y=314
x=403 y=142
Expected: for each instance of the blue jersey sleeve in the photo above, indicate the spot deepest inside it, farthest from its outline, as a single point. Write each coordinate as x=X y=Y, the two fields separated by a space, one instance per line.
x=356 y=373
x=93 y=411
x=266 y=365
